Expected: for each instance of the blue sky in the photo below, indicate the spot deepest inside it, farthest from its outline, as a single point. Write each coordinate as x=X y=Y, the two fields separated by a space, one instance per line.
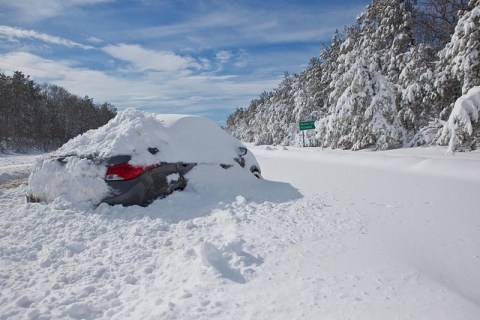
x=194 y=57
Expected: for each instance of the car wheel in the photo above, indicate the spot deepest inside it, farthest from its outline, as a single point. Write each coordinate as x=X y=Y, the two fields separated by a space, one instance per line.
x=256 y=172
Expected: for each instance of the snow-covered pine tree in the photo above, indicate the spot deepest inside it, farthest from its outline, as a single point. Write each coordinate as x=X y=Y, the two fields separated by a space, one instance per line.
x=459 y=64
x=460 y=59
x=308 y=100
x=387 y=30
x=237 y=125
x=275 y=114
x=363 y=100
x=328 y=58
x=404 y=63
x=363 y=112
x=397 y=71
x=415 y=85
x=462 y=130
x=273 y=119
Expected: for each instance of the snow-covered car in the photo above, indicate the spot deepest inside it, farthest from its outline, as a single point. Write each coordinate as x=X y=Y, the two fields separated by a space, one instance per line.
x=136 y=158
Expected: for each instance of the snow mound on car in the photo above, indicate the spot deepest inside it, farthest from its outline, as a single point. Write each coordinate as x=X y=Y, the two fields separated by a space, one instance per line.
x=78 y=181
x=177 y=138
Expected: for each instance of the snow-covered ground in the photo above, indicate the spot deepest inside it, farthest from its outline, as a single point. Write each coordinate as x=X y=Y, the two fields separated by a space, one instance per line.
x=328 y=234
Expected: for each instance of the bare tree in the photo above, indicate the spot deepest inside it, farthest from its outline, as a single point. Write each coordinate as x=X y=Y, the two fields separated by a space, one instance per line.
x=436 y=20
x=33 y=116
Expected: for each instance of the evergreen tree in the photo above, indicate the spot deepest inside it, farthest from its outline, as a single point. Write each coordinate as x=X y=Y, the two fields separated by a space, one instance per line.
x=416 y=90
x=363 y=101
x=460 y=60
x=383 y=84
x=460 y=64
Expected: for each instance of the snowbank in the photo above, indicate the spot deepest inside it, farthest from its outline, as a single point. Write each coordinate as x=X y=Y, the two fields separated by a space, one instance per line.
x=78 y=181
x=372 y=236
x=64 y=262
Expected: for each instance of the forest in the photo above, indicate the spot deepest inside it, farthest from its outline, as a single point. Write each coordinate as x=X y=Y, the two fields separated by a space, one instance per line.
x=43 y=117
x=390 y=80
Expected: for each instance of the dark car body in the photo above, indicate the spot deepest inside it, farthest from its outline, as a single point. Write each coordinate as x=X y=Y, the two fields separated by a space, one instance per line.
x=151 y=184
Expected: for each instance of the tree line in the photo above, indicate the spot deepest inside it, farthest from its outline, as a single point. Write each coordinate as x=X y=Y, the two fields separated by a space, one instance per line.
x=388 y=81
x=34 y=116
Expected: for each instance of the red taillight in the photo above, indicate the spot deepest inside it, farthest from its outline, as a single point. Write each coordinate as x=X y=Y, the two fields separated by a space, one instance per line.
x=123 y=171
x=126 y=171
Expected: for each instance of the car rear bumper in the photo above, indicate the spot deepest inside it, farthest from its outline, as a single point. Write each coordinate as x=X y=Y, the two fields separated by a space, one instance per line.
x=152 y=184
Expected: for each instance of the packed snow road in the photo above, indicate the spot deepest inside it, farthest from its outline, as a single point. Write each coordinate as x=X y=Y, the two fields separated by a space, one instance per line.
x=327 y=235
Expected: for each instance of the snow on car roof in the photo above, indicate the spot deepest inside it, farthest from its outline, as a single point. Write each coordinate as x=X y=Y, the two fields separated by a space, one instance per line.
x=177 y=137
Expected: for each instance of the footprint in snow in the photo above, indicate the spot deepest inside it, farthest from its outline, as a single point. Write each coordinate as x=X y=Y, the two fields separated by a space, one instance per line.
x=221 y=261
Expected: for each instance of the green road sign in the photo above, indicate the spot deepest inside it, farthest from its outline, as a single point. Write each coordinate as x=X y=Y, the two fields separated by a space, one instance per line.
x=307 y=125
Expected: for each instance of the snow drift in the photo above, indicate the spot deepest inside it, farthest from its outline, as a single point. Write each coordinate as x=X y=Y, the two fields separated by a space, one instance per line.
x=406 y=246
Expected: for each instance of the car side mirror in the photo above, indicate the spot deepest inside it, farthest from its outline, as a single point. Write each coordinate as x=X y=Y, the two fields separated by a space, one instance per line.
x=153 y=150
x=242 y=151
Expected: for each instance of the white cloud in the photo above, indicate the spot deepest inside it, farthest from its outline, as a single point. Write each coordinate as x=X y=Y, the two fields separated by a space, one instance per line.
x=15 y=33
x=168 y=65
x=241 y=59
x=205 y=63
x=230 y=24
x=224 y=56
x=31 y=65
x=95 y=40
x=144 y=59
x=35 y=10
x=80 y=81
x=170 y=93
